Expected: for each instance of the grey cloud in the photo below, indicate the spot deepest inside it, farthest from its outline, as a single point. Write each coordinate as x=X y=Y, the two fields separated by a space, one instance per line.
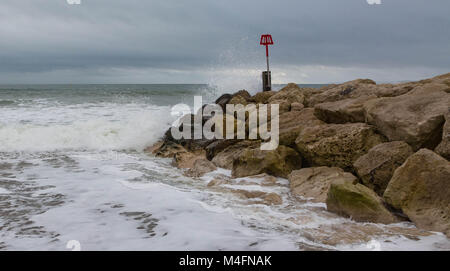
x=42 y=37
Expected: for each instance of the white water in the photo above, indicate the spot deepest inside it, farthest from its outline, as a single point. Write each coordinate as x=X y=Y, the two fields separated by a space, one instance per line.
x=77 y=172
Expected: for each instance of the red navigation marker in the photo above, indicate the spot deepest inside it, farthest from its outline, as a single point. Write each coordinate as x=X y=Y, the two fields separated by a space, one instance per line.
x=266 y=40
x=266 y=75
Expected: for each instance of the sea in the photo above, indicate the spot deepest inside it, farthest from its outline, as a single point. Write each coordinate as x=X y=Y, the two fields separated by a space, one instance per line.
x=74 y=176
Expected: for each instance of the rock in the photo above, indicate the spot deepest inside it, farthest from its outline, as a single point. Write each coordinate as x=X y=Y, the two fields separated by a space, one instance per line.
x=292 y=123
x=354 y=200
x=314 y=182
x=297 y=107
x=155 y=147
x=283 y=105
x=286 y=96
x=421 y=189
x=267 y=198
x=218 y=146
x=343 y=111
x=336 y=145
x=351 y=89
x=243 y=93
x=272 y=199
x=238 y=100
x=416 y=117
x=224 y=159
x=223 y=100
x=376 y=167
x=218 y=181
x=443 y=149
x=253 y=161
x=262 y=97
x=192 y=144
x=267 y=180
x=200 y=168
x=168 y=149
x=187 y=159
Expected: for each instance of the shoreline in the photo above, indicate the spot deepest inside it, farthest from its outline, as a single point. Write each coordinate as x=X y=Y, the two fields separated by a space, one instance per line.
x=352 y=146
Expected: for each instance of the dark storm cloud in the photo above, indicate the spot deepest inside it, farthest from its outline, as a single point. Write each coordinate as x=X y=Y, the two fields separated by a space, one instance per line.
x=47 y=36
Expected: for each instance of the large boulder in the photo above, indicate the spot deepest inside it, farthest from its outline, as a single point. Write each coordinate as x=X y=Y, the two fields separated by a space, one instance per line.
x=443 y=148
x=238 y=99
x=416 y=117
x=314 y=182
x=223 y=100
x=336 y=145
x=351 y=89
x=375 y=168
x=243 y=93
x=187 y=122
x=354 y=200
x=421 y=189
x=279 y=162
x=262 y=97
x=286 y=96
x=291 y=124
x=343 y=111
x=217 y=146
x=224 y=159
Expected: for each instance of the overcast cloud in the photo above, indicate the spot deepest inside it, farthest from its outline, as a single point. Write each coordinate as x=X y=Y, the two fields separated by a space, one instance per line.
x=201 y=41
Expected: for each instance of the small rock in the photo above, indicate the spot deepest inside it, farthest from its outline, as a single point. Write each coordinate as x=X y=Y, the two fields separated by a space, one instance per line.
x=200 y=168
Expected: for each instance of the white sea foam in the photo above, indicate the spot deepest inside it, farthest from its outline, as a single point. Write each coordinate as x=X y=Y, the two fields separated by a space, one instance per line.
x=88 y=184
x=100 y=127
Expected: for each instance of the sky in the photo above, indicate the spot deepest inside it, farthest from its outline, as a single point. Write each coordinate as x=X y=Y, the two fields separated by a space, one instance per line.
x=217 y=42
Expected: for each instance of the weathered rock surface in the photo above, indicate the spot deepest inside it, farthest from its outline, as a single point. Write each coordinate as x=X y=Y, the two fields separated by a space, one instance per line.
x=167 y=149
x=217 y=146
x=336 y=145
x=253 y=161
x=416 y=118
x=343 y=111
x=376 y=167
x=315 y=182
x=262 y=97
x=187 y=159
x=238 y=99
x=443 y=149
x=224 y=159
x=200 y=168
x=265 y=198
x=297 y=107
x=286 y=96
x=358 y=202
x=351 y=89
x=243 y=93
x=291 y=124
x=421 y=189
x=223 y=100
